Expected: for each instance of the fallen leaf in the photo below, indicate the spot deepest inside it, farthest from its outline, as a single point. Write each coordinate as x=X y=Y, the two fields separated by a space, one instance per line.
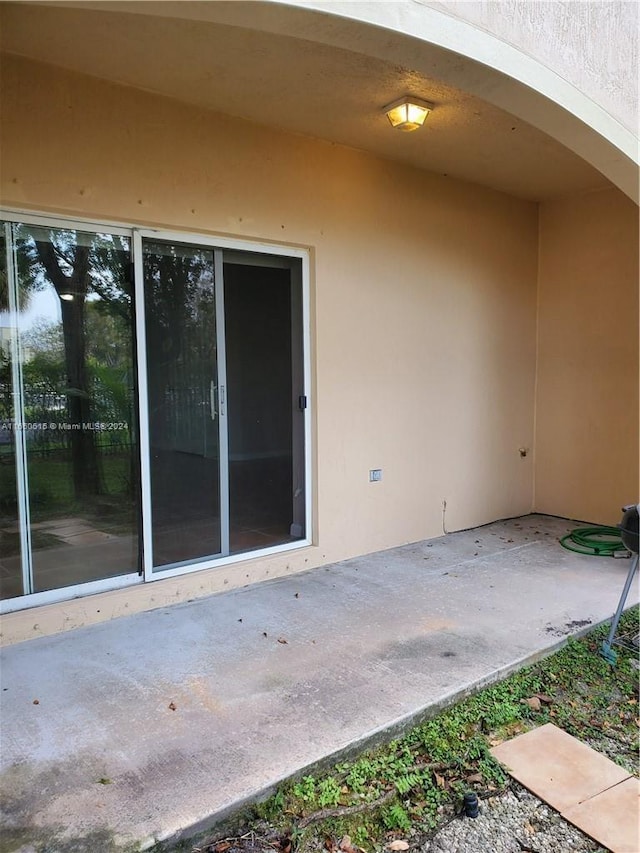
x=172 y=706
x=222 y=846
x=283 y=641
x=398 y=844
x=544 y=698
x=440 y=783
x=533 y=702
x=36 y=701
x=345 y=844
x=329 y=844
x=477 y=777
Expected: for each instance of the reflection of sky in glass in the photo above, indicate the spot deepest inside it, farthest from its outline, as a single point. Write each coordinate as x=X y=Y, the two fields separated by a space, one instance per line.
x=43 y=304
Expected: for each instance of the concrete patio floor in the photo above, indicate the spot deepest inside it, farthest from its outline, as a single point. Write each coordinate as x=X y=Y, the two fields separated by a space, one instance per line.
x=189 y=712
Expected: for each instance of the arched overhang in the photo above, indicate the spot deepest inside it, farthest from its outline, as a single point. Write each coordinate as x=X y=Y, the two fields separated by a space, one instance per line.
x=415 y=35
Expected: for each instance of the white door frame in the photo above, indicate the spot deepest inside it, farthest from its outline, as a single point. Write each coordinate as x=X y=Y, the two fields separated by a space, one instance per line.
x=218 y=244
x=217 y=403
x=223 y=420
x=20 y=434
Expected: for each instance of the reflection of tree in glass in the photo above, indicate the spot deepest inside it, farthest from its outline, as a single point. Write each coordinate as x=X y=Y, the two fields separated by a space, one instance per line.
x=90 y=275
x=44 y=337
x=178 y=283
x=180 y=328
x=6 y=395
x=4 y=294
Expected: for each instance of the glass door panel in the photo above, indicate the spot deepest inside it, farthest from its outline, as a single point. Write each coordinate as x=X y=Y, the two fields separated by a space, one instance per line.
x=74 y=322
x=10 y=534
x=221 y=349
x=185 y=402
x=265 y=382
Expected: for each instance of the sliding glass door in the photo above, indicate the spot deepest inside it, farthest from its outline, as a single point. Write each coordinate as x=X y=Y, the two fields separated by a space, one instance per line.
x=68 y=446
x=225 y=404
x=153 y=412
x=185 y=401
x=11 y=583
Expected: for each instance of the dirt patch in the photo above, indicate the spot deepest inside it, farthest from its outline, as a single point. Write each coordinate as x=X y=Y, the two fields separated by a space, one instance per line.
x=568 y=627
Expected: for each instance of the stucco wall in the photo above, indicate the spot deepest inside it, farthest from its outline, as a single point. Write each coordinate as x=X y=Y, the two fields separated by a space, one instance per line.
x=517 y=63
x=593 y=44
x=424 y=294
x=587 y=430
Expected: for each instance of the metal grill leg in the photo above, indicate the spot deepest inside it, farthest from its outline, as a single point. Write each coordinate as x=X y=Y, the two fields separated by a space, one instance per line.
x=607 y=651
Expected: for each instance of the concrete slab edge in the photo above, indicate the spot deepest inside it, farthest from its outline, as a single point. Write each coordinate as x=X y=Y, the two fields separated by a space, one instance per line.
x=225 y=818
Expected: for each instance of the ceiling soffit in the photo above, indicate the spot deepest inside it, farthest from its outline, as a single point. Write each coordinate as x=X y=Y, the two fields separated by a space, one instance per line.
x=300 y=86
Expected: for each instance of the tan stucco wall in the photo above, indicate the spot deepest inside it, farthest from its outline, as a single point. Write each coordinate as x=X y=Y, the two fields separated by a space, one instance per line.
x=587 y=430
x=424 y=296
x=592 y=44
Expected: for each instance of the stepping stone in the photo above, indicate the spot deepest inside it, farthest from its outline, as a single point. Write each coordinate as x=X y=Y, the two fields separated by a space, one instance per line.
x=587 y=788
x=611 y=817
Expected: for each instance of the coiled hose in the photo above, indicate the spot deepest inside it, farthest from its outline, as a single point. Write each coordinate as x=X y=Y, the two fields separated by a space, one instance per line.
x=595 y=541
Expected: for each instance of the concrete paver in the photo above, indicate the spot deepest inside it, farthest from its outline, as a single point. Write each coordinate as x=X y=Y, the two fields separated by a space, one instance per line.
x=586 y=787
x=192 y=710
x=611 y=817
x=557 y=767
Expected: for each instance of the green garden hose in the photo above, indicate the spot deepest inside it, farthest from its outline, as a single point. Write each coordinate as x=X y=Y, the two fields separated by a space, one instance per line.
x=596 y=541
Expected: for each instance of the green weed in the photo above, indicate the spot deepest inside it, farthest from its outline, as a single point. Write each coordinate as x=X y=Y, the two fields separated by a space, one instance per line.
x=409 y=784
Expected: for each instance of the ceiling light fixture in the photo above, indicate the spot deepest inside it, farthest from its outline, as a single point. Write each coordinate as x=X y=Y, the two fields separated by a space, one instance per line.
x=408 y=113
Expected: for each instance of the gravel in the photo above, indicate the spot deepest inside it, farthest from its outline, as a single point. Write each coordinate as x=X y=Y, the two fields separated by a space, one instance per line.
x=513 y=822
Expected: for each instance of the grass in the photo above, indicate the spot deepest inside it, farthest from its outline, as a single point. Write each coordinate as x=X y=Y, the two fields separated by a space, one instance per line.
x=410 y=786
x=52 y=496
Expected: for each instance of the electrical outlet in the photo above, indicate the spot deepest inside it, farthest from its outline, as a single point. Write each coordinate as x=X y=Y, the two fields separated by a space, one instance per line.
x=375 y=475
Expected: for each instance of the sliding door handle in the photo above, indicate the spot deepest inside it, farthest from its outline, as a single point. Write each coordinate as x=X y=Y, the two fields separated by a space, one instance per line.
x=213 y=388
